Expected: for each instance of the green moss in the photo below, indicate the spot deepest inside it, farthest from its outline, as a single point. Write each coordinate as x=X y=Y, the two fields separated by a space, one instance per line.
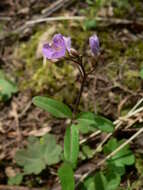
x=59 y=78
x=139 y=7
x=123 y=8
x=124 y=58
x=138 y=184
x=131 y=80
x=134 y=51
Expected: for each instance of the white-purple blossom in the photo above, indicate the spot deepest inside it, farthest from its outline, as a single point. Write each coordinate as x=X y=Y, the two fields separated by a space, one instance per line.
x=57 y=49
x=67 y=43
x=94 y=44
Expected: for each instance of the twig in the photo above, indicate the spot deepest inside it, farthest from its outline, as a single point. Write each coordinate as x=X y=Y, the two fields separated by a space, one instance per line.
x=59 y=18
x=121 y=104
x=101 y=19
x=43 y=18
x=8 y=187
x=25 y=109
x=3 y=18
x=135 y=112
x=14 y=113
x=99 y=147
x=122 y=146
x=56 y=6
x=119 y=122
x=90 y=136
x=46 y=12
x=135 y=107
x=119 y=21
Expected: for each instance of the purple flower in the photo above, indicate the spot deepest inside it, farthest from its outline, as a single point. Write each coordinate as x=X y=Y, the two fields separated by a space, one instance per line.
x=94 y=44
x=57 y=49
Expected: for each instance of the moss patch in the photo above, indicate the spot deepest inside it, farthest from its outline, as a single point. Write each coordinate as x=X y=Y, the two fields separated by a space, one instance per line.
x=124 y=57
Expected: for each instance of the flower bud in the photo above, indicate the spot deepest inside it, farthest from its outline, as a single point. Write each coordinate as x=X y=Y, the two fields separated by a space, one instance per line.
x=74 y=53
x=94 y=44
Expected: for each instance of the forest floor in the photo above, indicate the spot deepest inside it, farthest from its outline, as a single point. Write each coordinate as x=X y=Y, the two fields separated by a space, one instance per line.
x=112 y=90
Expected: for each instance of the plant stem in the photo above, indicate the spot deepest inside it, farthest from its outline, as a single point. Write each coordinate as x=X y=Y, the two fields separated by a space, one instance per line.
x=79 y=95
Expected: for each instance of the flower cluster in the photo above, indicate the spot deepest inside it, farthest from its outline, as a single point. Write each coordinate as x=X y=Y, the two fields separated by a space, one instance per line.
x=61 y=44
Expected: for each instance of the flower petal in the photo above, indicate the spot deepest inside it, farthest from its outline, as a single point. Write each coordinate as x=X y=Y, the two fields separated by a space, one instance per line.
x=58 y=41
x=57 y=49
x=59 y=54
x=47 y=51
x=67 y=41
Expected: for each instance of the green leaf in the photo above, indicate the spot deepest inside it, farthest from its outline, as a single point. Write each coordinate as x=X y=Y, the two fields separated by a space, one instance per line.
x=121 y=158
x=15 y=180
x=113 y=180
x=120 y=170
x=86 y=118
x=104 y=124
x=111 y=145
x=85 y=121
x=39 y=154
x=89 y=183
x=89 y=24
x=97 y=121
x=100 y=181
x=56 y=108
x=71 y=145
x=2 y=74
x=110 y=181
x=88 y=151
x=66 y=176
x=7 y=87
x=90 y=2
x=85 y=129
x=139 y=165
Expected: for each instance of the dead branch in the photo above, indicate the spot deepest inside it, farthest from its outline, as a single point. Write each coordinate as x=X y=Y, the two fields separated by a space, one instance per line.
x=8 y=187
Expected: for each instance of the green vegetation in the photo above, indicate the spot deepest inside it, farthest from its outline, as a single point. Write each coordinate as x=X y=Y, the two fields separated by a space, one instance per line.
x=118 y=75
x=7 y=87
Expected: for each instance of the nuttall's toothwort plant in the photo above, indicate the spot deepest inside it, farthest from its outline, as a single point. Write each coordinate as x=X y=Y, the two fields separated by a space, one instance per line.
x=59 y=48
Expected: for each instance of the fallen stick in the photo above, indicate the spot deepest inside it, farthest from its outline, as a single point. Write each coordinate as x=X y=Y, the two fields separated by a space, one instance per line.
x=50 y=19
x=8 y=187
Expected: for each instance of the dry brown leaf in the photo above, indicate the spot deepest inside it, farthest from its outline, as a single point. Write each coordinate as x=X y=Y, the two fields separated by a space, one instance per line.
x=10 y=172
x=40 y=132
